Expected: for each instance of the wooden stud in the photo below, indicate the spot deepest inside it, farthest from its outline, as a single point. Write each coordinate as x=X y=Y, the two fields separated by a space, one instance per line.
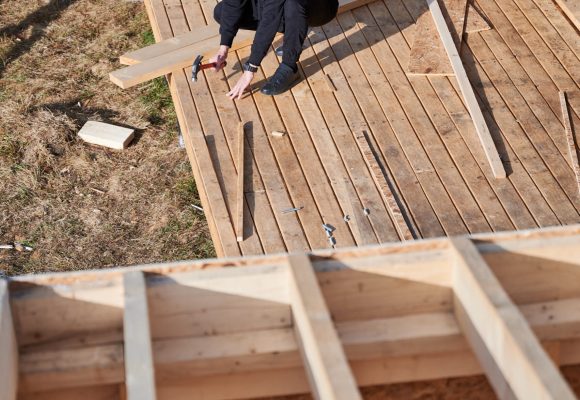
x=405 y=230
x=240 y=187
x=467 y=91
x=139 y=369
x=8 y=347
x=572 y=148
x=329 y=373
x=486 y=309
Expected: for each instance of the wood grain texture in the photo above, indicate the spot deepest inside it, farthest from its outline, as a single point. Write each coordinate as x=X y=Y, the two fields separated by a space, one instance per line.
x=572 y=146
x=328 y=369
x=8 y=347
x=239 y=217
x=139 y=368
x=474 y=21
x=499 y=334
x=572 y=10
x=403 y=223
x=467 y=92
x=428 y=56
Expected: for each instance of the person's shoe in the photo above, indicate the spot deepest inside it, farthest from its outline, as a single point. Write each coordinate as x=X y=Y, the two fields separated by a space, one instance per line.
x=281 y=81
x=279 y=51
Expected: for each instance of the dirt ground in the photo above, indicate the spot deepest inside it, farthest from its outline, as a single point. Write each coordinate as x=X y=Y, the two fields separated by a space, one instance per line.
x=81 y=206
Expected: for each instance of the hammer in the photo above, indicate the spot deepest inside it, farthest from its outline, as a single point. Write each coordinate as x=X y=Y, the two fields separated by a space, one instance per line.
x=198 y=66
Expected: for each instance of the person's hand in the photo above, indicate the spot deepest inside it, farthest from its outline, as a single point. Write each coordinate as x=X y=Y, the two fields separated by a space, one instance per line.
x=220 y=58
x=243 y=83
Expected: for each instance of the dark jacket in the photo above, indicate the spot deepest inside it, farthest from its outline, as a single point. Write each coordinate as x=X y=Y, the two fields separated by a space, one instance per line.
x=268 y=13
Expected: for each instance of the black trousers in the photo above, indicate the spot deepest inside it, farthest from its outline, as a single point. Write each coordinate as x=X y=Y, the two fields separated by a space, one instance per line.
x=298 y=16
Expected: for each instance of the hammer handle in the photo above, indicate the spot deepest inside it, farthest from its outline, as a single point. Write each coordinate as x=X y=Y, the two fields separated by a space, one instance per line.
x=209 y=65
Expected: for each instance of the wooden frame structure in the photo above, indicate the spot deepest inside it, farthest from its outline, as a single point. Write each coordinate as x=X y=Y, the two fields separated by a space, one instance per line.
x=359 y=316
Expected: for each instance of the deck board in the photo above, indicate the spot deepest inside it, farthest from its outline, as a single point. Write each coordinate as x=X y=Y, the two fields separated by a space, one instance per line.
x=418 y=127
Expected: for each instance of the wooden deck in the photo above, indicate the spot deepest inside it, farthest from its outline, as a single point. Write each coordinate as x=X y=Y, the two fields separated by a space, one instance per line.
x=417 y=125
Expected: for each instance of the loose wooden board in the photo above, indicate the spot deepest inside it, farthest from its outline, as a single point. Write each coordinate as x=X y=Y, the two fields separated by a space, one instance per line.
x=165 y=57
x=467 y=91
x=114 y=137
x=428 y=53
x=572 y=147
x=572 y=10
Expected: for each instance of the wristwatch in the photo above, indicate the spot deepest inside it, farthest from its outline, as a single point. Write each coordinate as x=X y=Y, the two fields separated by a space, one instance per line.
x=249 y=67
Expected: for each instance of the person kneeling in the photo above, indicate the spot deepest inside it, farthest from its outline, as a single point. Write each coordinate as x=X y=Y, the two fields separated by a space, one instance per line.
x=268 y=17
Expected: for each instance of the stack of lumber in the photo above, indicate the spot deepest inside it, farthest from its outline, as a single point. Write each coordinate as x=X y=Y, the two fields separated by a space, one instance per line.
x=506 y=305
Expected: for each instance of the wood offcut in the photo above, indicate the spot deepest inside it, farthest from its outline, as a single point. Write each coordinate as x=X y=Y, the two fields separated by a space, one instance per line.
x=572 y=145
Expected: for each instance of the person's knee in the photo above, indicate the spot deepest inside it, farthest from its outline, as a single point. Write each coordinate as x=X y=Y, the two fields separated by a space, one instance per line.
x=321 y=12
x=217 y=12
x=295 y=9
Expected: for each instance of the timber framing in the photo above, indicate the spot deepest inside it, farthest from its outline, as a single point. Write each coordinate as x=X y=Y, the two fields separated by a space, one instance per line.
x=338 y=319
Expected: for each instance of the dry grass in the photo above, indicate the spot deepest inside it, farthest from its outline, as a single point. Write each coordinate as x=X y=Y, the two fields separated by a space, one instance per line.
x=78 y=205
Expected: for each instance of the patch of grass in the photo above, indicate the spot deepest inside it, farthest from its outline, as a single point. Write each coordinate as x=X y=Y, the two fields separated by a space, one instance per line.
x=186 y=191
x=148 y=38
x=157 y=99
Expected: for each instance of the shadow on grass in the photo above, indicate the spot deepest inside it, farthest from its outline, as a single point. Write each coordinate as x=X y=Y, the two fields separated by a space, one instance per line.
x=38 y=20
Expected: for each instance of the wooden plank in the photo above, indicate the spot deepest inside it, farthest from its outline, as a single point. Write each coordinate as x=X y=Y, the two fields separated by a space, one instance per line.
x=300 y=146
x=112 y=136
x=139 y=369
x=169 y=45
x=572 y=10
x=521 y=128
x=217 y=147
x=400 y=104
x=403 y=223
x=240 y=187
x=184 y=358
x=8 y=347
x=399 y=148
x=441 y=111
x=474 y=21
x=503 y=329
x=428 y=54
x=362 y=192
x=328 y=370
x=173 y=61
x=467 y=92
x=171 y=57
x=572 y=147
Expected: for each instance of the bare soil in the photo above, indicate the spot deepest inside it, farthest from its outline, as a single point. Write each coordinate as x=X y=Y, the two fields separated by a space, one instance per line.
x=82 y=206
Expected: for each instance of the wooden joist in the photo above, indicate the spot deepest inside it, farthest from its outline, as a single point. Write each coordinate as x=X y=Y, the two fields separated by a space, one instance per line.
x=139 y=370
x=467 y=91
x=414 y=335
x=8 y=348
x=391 y=306
x=500 y=336
x=328 y=370
x=572 y=147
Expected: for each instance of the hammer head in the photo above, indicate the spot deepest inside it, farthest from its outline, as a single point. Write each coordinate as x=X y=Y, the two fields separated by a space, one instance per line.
x=196 y=67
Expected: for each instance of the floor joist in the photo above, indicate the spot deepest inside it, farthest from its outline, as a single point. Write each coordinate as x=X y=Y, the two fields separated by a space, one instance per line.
x=500 y=336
